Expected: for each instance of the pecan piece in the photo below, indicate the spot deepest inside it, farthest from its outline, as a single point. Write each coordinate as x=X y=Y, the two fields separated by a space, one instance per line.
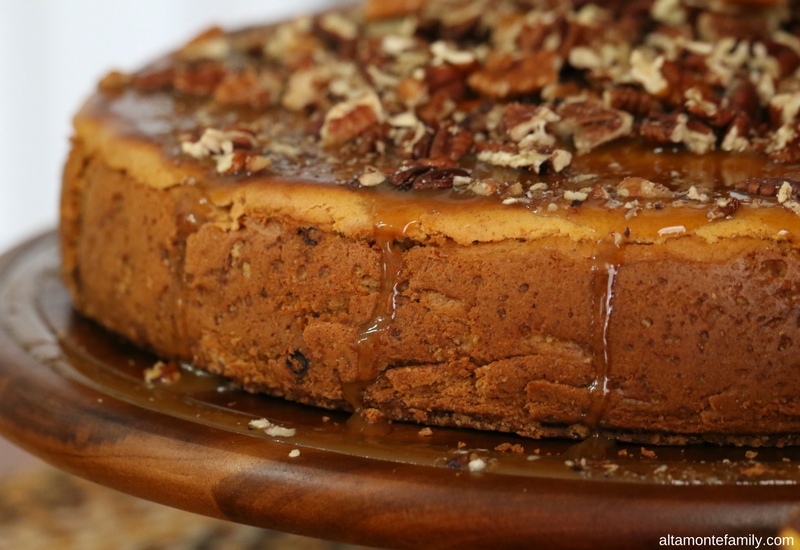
x=199 y=78
x=238 y=160
x=724 y=209
x=387 y=9
x=438 y=108
x=412 y=92
x=640 y=188
x=341 y=129
x=404 y=179
x=512 y=156
x=744 y=99
x=664 y=129
x=113 y=83
x=156 y=76
x=249 y=88
x=787 y=58
x=438 y=178
x=210 y=44
x=766 y=187
x=699 y=138
x=444 y=76
x=528 y=123
x=711 y=27
x=634 y=101
x=348 y=119
x=736 y=135
x=452 y=142
x=590 y=124
x=503 y=77
x=425 y=178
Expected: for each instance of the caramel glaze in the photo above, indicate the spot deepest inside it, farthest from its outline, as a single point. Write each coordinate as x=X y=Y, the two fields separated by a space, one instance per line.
x=370 y=334
x=161 y=118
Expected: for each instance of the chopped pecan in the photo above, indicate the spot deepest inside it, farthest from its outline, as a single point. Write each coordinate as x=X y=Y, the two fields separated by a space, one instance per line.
x=238 y=160
x=249 y=88
x=452 y=142
x=766 y=187
x=438 y=108
x=646 y=70
x=724 y=209
x=425 y=178
x=200 y=78
x=341 y=129
x=438 y=178
x=348 y=119
x=699 y=138
x=787 y=192
x=711 y=27
x=422 y=147
x=529 y=123
x=371 y=140
x=744 y=99
x=590 y=124
x=505 y=78
x=216 y=142
x=447 y=78
x=388 y=9
x=636 y=102
x=445 y=53
x=534 y=33
x=782 y=144
x=461 y=29
x=700 y=105
x=113 y=83
x=788 y=59
x=510 y=155
x=156 y=76
x=336 y=27
x=736 y=136
x=210 y=44
x=412 y=92
x=371 y=179
x=664 y=129
x=166 y=373
x=640 y=188
x=783 y=109
x=404 y=178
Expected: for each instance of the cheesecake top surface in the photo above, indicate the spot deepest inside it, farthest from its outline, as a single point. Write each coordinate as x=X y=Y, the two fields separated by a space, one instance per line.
x=478 y=120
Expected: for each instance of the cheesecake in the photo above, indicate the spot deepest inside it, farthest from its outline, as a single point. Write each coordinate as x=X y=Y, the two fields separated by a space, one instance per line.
x=547 y=218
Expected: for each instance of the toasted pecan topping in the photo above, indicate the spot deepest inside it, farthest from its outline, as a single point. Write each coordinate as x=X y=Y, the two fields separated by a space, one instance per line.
x=490 y=97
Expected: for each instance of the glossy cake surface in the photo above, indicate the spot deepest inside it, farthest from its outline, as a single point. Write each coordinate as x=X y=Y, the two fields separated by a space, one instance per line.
x=540 y=218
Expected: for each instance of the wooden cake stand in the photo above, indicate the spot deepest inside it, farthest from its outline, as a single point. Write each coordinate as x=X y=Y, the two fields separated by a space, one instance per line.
x=75 y=396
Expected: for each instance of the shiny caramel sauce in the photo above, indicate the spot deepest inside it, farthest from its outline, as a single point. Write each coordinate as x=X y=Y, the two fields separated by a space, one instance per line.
x=368 y=341
x=163 y=119
x=35 y=312
x=604 y=271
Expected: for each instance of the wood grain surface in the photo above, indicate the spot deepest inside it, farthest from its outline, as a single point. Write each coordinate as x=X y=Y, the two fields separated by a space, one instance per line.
x=66 y=397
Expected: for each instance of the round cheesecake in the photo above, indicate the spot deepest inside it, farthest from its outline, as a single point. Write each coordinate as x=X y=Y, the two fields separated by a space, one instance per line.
x=533 y=217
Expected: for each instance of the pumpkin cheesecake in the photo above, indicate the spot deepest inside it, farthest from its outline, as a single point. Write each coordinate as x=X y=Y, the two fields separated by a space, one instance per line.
x=548 y=218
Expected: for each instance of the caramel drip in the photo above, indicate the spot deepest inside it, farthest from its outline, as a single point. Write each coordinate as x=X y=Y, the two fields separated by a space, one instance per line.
x=370 y=339
x=604 y=275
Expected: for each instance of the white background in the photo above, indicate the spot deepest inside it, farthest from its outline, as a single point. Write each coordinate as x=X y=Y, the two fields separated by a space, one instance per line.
x=52 y=52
